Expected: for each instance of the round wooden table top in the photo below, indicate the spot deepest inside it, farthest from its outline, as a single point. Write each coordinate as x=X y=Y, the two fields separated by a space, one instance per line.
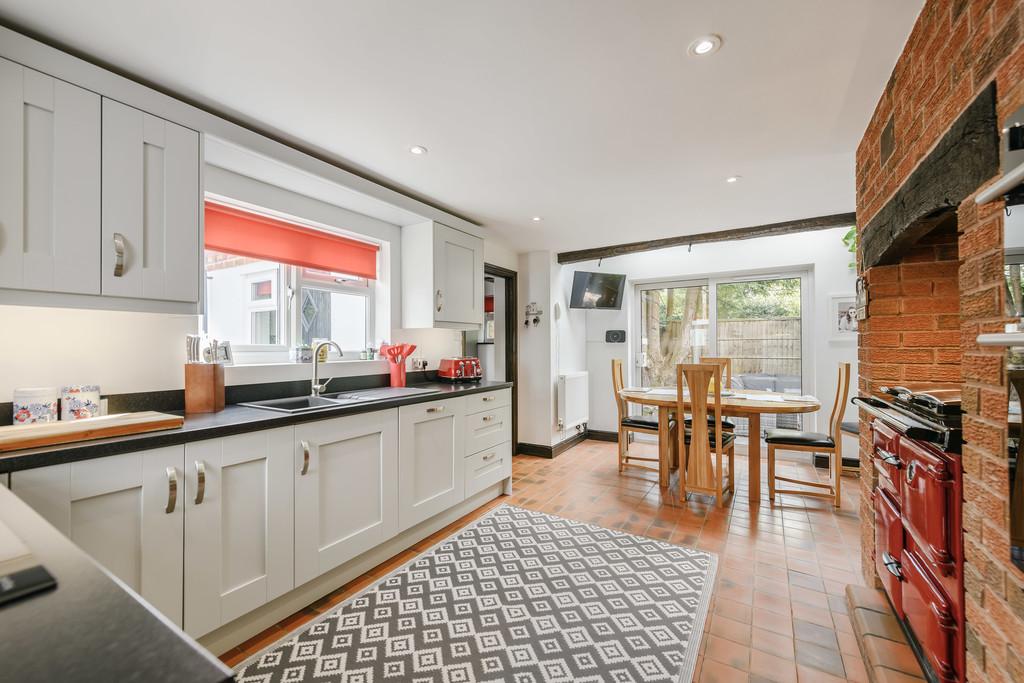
x=735 y=402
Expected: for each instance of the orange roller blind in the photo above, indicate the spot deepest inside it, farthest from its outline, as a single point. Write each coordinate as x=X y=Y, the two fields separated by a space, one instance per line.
x=249 y=234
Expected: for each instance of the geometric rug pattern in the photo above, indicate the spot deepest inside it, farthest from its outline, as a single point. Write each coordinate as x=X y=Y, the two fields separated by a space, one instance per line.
x=516 y=596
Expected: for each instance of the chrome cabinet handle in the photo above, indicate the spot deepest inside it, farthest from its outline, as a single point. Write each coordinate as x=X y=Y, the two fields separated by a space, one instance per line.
x=118 y=254
x=892 y=564
x=305 y=457
x=436 y=409
x=201 y=478
x=489 y=456
x=487 y=418
x=439 y=297
x=889 y=458
x=172 y=490
x=485 y=399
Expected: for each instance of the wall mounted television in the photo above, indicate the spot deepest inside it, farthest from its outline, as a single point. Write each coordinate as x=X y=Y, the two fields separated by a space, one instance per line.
x=597 y=290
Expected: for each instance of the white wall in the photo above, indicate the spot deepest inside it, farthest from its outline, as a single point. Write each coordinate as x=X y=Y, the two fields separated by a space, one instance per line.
x=821 y=252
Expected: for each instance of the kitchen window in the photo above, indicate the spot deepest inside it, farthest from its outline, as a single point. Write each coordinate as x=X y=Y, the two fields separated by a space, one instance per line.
x=265 y=306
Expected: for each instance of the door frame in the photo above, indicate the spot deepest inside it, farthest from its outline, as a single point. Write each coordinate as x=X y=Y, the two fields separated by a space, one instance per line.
x=511 y=338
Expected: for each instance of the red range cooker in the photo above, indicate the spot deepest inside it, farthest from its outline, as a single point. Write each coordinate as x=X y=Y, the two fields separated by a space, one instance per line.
x=917 y=440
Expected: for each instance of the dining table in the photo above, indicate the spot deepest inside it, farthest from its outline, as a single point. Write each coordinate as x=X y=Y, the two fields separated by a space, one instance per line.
x=745 y=403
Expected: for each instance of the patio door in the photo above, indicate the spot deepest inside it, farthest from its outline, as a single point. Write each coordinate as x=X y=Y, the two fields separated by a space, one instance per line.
x=673 y=328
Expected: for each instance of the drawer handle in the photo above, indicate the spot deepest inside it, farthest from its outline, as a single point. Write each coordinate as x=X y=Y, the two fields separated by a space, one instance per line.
x=172 y=490
x=436 y=409
x=487 y=418
x=489 y=456
x=488 y=398
x=305 y=457
x=889 y=458
x=118 y=254
x=893 y=565
x=201 y=478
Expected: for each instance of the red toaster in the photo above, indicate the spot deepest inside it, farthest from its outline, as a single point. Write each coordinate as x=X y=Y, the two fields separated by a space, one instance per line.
x=462 y=369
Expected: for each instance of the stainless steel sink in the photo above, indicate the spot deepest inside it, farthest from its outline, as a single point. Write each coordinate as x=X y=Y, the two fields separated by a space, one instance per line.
x=300 y=404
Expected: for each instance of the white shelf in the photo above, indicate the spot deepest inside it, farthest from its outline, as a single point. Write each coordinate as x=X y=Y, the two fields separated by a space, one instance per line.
x=1001 y=339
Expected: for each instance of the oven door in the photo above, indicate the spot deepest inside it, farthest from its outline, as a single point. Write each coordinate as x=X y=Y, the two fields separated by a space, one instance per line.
x=886 y=458
x=927 y=505
x=928 y=613
x=889 y=547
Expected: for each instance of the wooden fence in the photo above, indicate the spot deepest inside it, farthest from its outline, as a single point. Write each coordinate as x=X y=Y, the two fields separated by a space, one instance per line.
x=770 y=347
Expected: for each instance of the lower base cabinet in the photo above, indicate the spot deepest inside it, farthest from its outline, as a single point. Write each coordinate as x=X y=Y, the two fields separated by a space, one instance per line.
x=239 y=525
x=431 y=438
x=346 y=489
x=125 y=511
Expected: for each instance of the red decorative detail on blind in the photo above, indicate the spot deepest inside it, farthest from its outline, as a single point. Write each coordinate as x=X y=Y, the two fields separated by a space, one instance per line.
x=236 y=231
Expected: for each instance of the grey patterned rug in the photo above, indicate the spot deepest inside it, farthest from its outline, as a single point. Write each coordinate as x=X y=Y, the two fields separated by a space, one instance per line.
x=516 y=596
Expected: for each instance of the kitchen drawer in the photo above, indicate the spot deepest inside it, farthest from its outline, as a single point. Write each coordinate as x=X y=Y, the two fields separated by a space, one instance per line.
x=488 y=467
x=885 y=444
x=889 y=547
x=487 y=401
x=929 y=614
x=927 y=504
x=417 y=411
x=488 y=429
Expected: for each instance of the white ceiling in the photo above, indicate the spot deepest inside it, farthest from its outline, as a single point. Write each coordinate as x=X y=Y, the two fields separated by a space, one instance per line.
x=589 y=113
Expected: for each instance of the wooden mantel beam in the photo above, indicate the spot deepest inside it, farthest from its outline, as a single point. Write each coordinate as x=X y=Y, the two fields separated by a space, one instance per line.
x=839 y=220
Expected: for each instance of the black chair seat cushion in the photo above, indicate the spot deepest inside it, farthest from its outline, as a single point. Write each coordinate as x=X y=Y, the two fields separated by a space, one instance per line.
x=644 y=422
x=726 y=423
x=792 y=437
x=727 y=437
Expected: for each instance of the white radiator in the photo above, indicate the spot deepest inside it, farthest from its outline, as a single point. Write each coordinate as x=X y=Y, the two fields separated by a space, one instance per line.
x=573 y=399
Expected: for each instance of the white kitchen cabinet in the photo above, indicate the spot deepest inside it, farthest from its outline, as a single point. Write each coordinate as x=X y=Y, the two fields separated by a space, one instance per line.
x=442 y=277
x=346 y=489
x=125 y=511
x=431 y=443
x=50 y=192
x=151 y=199
x=239 y=526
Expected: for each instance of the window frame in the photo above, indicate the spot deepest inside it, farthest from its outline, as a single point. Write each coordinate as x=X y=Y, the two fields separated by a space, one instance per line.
x=363 y=288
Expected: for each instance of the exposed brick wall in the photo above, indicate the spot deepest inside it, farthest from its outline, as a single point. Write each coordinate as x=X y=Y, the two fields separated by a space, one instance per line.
x=914 y=332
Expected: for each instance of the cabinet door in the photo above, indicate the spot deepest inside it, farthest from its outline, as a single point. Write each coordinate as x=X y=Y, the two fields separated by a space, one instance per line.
x=238 y=526
x=458 y=276
x=125 y=511
x=431 y=449
x=151 y=198
x=50 y=192
x=346 y=490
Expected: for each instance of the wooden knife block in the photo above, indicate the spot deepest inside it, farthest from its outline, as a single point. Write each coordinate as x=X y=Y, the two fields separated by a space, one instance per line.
x=204 y=387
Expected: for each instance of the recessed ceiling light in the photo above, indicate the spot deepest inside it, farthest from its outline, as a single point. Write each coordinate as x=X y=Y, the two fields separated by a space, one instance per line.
x=418 y=149
x=537 y=219
x=705 y=45
x=733 y=179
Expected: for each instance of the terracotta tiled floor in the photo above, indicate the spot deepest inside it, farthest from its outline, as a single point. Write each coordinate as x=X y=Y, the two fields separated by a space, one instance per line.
x=778 y=611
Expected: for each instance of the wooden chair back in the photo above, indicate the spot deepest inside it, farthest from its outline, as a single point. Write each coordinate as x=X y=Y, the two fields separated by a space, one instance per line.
x=726 y=364
x=698 y=377
x=835 y=419
x=618 y=383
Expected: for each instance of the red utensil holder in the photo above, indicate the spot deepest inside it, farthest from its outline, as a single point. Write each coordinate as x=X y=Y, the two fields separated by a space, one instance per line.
x=398 y=374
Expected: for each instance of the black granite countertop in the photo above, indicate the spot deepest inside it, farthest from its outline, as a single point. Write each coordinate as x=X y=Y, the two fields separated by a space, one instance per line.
x=234 y=419
x=90 y=627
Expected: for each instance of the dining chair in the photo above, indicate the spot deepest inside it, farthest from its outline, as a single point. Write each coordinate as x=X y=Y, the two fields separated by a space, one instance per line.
x=635 y=424
x=830 y=443
x=706 y=439
x=726 y=363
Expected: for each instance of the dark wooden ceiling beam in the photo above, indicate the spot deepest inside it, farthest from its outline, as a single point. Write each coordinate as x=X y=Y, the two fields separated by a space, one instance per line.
x=839 y=220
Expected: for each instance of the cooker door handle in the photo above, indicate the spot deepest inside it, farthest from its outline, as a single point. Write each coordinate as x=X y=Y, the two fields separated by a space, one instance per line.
x=911 y=471
x=889 y=458
x=892 y=564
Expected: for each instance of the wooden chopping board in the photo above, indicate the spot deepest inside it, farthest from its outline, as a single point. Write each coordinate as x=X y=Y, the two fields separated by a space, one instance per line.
x=17 y=437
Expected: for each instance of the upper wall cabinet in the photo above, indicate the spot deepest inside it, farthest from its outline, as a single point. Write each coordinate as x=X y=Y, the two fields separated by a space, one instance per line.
x=50 y=188
x=151 y=197
x=442 y=277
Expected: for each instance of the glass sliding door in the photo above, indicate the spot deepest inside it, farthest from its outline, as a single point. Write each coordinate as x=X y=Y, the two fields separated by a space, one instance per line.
x=759 y=325
x=673 y=326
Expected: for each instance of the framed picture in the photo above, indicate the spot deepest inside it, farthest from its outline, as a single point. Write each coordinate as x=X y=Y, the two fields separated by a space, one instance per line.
x=842 y=316
x=224 y=354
